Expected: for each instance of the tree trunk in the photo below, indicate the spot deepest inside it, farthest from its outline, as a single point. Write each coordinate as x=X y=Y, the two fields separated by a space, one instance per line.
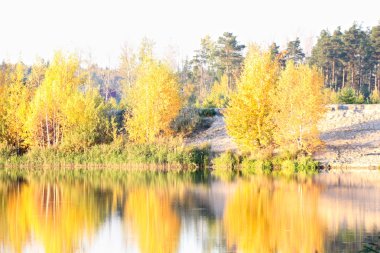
x=333 y=73
x=376 y=70
x=47 y=129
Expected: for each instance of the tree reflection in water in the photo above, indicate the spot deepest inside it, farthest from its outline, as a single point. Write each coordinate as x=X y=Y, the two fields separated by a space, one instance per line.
x=274 y=216
x=173 y=213
x=153 y=220
x=58 y=216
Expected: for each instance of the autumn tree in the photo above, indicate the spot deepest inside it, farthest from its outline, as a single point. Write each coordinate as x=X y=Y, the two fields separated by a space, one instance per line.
x=37 y=74
x=4 y=73
x=299 y=105
x=130 y=60
x=249 y=117
x=46 y=119
x=64 y=111
x=15 y=109
x=154 y=101
x=85 y=120
x=127 y=70
x=2 y=113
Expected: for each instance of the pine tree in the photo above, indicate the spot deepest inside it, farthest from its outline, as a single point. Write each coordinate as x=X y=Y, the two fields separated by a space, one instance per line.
x=274 y=50
x=375 y=36
x=230 y=57
x=294 y=51
x=204 y=66
x=348 y=59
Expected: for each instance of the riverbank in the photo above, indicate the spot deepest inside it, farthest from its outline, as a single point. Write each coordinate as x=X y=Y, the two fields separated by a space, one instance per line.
x=351 y=136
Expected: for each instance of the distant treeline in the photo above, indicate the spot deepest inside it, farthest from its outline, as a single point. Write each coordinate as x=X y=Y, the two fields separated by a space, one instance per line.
x=71 y=105
x=347 y=58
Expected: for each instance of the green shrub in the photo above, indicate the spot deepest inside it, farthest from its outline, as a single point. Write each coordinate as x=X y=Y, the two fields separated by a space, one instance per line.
x=191 y=120
x=128 y=153
x=187 y=121
x=374 y=98
x=207 y=112
x=226 y=161
x=248 y=166
x=260 y=166
x=5 y=152
x=347 y=96
x=360 y=99
x=330 y=96
x=216 y=101
x=288 y=167
x=307 y=165
x=263 y=167
x=200 y=156
x=285 y=165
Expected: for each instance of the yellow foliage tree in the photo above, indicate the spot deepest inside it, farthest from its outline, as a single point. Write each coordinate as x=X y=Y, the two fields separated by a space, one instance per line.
x=15 y=109
x=63 y=111
x=330 y=96
x=45 y=123
x=37 y=74
x=154 y=101
x=85 y=122
x=2 y=112
x=219 y=94
x=299 y=104
x=249 y=116
x=374 y=98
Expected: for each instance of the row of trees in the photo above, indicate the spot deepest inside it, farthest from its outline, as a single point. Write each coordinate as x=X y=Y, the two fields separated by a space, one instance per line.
x=217 y=62
x=66 y=103
x=62 y=108
x=349 y=58
x=65 y=108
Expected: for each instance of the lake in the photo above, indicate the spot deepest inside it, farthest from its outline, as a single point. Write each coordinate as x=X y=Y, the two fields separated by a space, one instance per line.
x=184 y=212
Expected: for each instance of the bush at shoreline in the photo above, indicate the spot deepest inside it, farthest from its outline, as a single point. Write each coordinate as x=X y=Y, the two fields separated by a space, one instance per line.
x=165 y=156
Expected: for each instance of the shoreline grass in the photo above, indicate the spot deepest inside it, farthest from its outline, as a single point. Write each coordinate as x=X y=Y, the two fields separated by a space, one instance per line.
x=230 y=162
x=161 y=157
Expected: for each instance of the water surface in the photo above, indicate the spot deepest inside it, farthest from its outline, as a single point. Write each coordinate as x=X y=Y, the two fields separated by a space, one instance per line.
x=188 y=213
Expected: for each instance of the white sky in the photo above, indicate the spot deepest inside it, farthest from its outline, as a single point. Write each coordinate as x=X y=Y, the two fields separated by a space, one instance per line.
x=31 y=28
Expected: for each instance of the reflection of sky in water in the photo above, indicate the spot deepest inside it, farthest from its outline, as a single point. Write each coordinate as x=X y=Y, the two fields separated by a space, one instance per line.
x=111 y=237
x=331 y=213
